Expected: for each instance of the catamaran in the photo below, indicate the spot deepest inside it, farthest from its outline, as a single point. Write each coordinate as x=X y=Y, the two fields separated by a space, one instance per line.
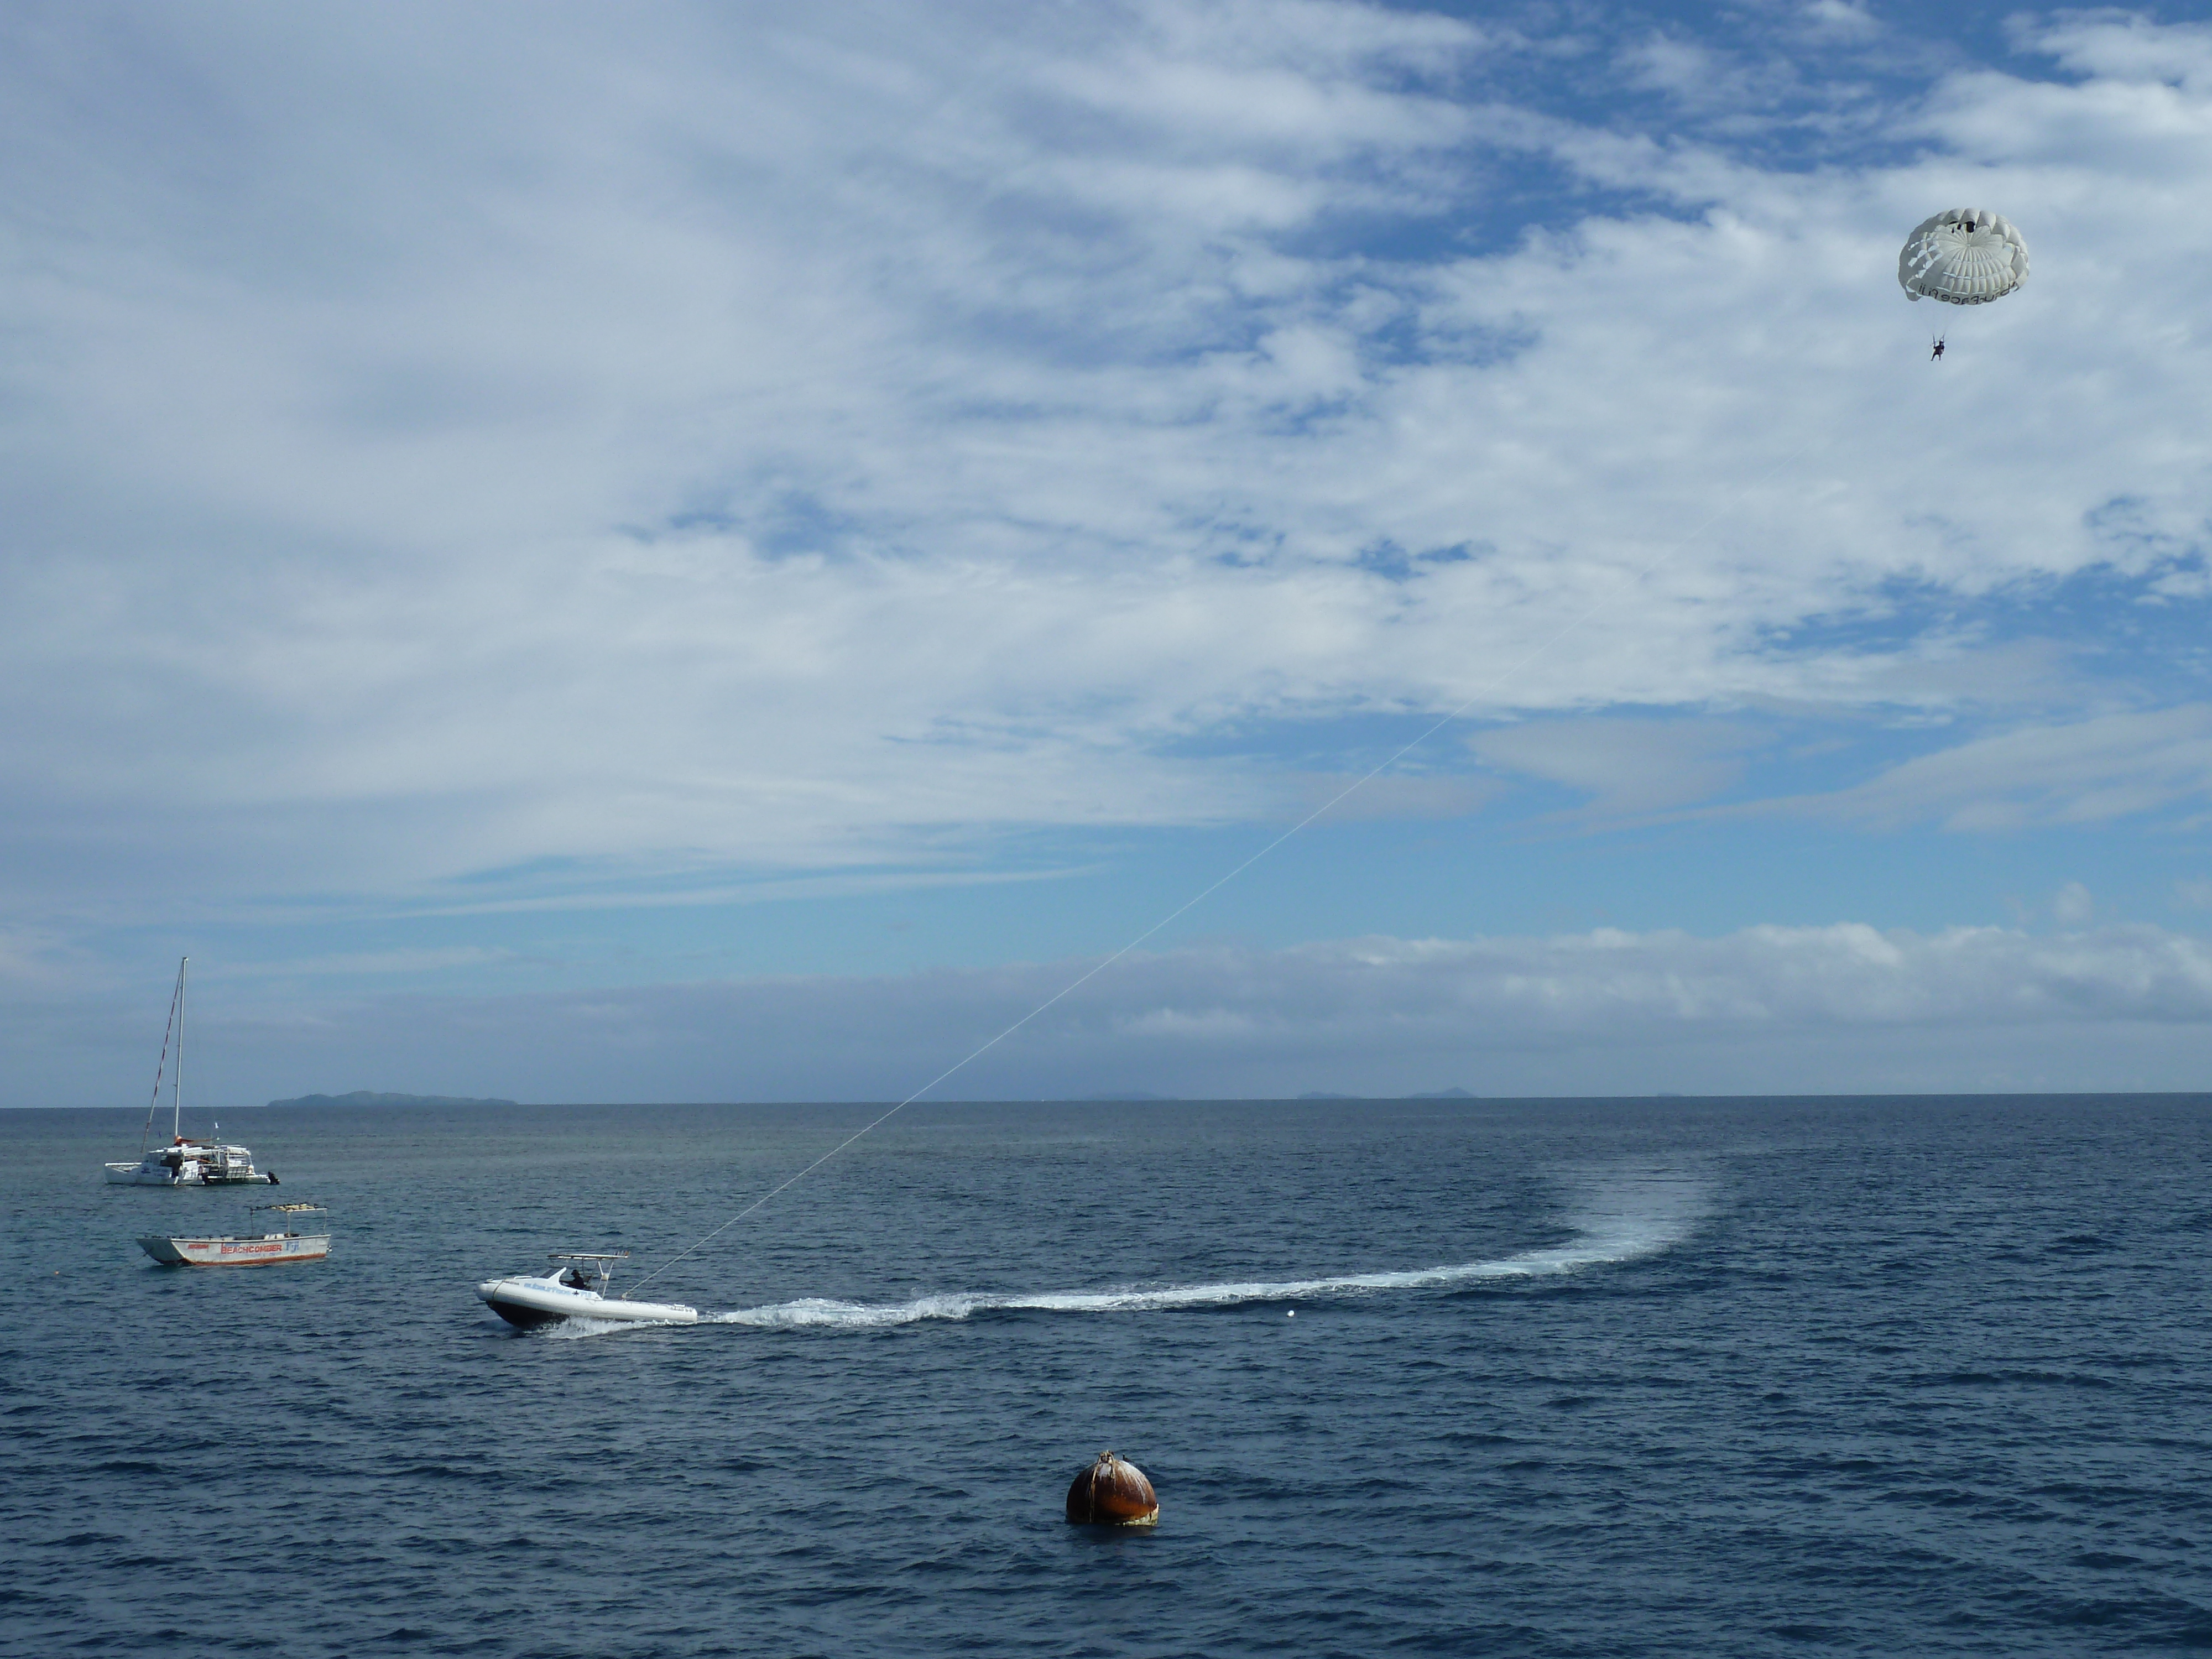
x=185 y=1161
x=247 y=1249
x=576 y=1289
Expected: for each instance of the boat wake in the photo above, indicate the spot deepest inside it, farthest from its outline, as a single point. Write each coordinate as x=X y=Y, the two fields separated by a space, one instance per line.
x=1617 y=1216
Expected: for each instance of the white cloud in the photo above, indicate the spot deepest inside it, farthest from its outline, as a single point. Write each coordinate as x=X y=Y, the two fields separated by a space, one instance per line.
x=35 y=961
x=441 y=960
x=2072 y=905
x=1392 y=795
x=1842 y=17
x=2081 y=772
x=2115 y=45
x=1627 y=765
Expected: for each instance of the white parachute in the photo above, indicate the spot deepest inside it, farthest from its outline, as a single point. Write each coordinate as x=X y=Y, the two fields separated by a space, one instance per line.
x=1963 y=257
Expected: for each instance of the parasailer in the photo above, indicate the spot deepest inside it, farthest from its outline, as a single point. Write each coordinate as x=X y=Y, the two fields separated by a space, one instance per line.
x=1963 y=257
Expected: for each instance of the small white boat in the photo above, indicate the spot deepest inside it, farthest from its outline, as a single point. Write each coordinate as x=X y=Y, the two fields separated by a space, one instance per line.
x=575 y=1290
x=185 y=1161
x=246 y=1250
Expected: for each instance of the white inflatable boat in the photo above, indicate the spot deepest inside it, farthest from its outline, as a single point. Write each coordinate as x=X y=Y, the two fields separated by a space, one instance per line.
x=576 y=1289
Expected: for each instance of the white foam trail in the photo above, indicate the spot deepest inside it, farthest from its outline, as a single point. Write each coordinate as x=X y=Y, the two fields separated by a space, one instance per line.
x=1618 y=1217
x=572 y=1327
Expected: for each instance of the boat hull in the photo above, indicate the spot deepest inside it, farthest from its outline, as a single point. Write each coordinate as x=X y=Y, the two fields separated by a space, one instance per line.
x=271 y=1250
x=530 y=1302
x=522 y=1318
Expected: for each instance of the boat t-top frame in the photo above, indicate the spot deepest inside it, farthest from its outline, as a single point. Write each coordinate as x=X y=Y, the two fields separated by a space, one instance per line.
x=602 y=1264
x=291 y=1212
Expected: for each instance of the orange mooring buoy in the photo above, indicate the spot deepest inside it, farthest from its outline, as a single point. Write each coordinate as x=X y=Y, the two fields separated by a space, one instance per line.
x=1112 y=1493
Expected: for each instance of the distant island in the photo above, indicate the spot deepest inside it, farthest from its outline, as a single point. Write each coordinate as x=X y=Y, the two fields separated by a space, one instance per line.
x=1433 y=1094
x=367 y=1098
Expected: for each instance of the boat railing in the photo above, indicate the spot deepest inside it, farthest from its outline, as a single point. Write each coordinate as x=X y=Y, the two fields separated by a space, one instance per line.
x=288 y=1213
x=601 y=1262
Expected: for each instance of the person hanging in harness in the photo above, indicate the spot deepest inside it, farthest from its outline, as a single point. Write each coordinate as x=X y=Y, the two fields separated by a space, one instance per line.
x=1935 y=353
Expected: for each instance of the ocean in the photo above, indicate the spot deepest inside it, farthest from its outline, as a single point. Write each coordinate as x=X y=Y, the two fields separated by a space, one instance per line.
x=1620 y=1377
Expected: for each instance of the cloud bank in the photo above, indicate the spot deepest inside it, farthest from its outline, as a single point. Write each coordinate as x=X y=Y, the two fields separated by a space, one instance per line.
x=519 y=460
x=776 y=448
x=1837 y=1009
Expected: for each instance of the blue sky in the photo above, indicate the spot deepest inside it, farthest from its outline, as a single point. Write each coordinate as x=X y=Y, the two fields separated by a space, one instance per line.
x=728 y=552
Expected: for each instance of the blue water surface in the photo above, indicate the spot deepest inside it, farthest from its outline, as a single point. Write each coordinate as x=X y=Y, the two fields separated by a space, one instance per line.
x=1602 y=1378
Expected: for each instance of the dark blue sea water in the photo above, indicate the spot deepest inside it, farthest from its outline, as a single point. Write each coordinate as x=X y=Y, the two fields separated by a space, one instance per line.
x=1632 y=1378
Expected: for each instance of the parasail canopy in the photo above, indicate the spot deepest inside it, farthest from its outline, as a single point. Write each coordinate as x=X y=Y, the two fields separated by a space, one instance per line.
x=1963 y=257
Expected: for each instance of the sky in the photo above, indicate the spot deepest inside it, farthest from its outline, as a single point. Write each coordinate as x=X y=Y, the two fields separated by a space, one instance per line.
x=732 y=552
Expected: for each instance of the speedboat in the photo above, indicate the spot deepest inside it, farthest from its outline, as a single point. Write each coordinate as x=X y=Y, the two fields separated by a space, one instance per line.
x=575 y=1288
x=185 y=1161
x=246 y=1250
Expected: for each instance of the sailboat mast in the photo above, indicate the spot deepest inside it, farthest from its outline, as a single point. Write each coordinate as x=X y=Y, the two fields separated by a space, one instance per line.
x=176 y=1117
